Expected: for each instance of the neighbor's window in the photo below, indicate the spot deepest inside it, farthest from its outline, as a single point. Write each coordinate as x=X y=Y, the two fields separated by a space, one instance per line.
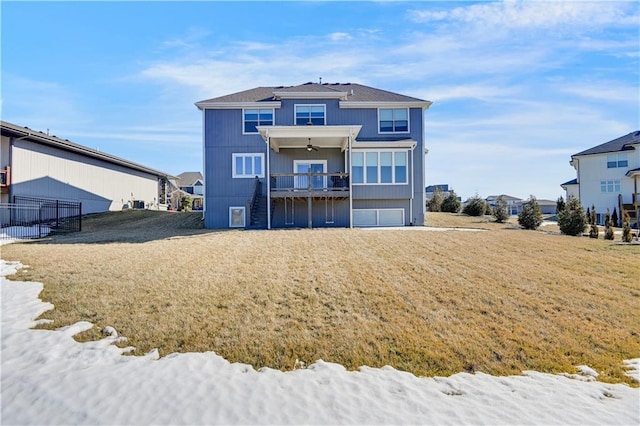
x=393 y=120
x=617 y=160
x=248 y=165
x=310 y=114
x=610 y=185
x=379 y=167
x=256 y=117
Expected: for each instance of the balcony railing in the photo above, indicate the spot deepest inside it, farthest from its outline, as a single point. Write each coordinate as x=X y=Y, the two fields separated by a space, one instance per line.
x=310 y=184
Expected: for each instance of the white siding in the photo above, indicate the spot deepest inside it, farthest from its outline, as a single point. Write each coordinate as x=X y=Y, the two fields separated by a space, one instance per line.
x=43 y=171
x=592 y=169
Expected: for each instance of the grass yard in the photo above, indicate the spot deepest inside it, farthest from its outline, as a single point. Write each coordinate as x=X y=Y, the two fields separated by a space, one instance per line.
x=432 y=303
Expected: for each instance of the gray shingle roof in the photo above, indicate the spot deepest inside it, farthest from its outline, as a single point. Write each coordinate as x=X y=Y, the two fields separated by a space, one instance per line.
x=570 y=182
x=355 y=93
x=189 y=178
x=622 y=143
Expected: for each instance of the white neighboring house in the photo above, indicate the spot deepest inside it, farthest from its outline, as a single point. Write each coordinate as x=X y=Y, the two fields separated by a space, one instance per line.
x=514 y=204
x=608 y=177
x=35 y=164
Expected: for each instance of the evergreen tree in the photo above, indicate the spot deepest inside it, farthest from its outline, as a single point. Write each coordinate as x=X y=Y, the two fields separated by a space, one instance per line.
x=475 y=206
x=614 y=218
x=435 y=202
x=608 y=230
x=572 y=220
x=594 y=231
x=451 y=204
x=530 y=217
x=626 y=227
x=560 y=204
x=500 y=210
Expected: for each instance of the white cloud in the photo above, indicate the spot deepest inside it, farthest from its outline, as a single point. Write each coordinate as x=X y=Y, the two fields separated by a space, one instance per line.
x=536 y=14
x=339 y=36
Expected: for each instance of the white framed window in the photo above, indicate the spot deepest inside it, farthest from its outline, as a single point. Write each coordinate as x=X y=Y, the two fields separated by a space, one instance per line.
x=387 y=167
x=393 y=120
x=610 y=185
x=617 y=160
x=310 y=114
x=256 y=117
x=236 y=217
x=247 y=165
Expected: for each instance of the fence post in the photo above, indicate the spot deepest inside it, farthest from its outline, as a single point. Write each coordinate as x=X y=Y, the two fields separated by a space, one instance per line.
x=79 y=216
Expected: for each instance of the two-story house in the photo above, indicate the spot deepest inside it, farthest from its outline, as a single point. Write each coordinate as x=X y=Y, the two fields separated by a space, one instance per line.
x=313 y=155
x=192 y=183
x=608 y=177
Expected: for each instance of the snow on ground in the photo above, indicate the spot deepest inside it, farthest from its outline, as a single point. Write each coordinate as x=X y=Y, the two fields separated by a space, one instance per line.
x=49 y=378
x=14 y=233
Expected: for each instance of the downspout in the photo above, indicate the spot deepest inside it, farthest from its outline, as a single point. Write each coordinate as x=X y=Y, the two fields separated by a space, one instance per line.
x=350 y=185
x=268 y=179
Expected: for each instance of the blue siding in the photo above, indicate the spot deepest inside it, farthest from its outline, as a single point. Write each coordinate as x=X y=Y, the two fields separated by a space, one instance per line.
x=223 y=137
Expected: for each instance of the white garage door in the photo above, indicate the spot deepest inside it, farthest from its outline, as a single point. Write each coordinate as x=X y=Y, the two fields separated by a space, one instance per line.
x=378 y=217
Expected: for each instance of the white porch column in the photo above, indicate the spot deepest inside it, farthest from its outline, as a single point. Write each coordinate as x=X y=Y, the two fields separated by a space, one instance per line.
x=268 y=178
x=350 y=186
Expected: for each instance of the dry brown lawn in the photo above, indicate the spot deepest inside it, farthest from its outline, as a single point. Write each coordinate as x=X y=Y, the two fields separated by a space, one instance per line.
x=432 y=303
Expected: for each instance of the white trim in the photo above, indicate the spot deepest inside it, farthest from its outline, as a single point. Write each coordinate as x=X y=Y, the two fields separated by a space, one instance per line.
x=235 y=155
x=393 y=168
x=396 y=132
x=257 y=132
x=204 y=163
x=295 y=113
x=244 y=216
x=236 y=105
x=374 y=104
x=268 y=173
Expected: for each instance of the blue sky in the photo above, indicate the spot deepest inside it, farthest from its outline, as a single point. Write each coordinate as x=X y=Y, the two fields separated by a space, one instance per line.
x=517 y=87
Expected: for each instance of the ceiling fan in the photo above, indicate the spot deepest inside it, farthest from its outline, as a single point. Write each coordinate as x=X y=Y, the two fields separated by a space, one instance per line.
x=311 y=147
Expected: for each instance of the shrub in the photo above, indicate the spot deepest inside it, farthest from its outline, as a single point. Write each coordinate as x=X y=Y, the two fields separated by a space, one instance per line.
x=560 y=204
x=435 y=202
x=608 y=230
x=530 y=217
x=185 y=203
x=487 y=209
x=572 y=220
x=475 y=206
x=500 y=210
x=594 y=231
x=451 y=204
x=626 y=227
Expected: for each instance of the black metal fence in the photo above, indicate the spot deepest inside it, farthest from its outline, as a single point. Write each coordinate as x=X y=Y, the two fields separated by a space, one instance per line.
x=31 y=217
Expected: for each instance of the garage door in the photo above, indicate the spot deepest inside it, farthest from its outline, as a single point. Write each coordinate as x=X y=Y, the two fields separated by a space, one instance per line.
x=378 y=217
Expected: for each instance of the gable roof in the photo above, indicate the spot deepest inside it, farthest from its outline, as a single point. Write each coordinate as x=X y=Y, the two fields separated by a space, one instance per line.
x=623 y=143
x=189 y=178
x=66 y=145
x=348 y=92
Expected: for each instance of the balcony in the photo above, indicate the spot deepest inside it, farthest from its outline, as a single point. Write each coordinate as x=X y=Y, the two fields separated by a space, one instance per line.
x=310 y=185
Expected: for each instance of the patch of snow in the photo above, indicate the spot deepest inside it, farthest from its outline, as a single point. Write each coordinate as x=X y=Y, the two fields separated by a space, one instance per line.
x=17 y=233
x=49 y=378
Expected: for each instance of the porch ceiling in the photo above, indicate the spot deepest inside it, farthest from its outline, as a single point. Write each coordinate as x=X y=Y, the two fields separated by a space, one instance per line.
x=300 y=136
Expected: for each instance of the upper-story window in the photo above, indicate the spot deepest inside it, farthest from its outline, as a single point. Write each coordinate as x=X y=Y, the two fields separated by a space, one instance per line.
x=617 y=160
x=393 y=120
x=310 y=114
x=256 y=117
